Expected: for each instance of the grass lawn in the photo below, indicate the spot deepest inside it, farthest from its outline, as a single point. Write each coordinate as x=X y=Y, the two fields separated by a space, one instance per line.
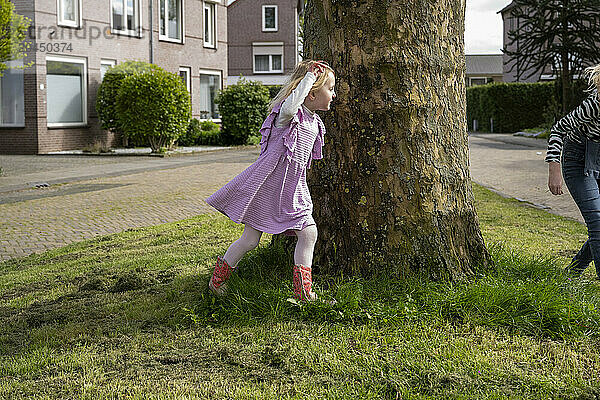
x=128 y=316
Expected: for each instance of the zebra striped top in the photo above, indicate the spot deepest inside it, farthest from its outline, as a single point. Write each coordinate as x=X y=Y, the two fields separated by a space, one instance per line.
x=581 y=123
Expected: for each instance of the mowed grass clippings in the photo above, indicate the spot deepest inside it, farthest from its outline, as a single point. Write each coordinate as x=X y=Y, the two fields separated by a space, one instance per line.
x=128 y=316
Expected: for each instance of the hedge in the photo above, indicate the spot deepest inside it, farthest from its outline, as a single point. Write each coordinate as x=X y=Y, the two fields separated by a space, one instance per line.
x=511 y=107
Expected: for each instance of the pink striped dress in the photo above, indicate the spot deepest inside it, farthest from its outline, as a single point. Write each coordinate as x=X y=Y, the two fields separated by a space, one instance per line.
x=271 y=195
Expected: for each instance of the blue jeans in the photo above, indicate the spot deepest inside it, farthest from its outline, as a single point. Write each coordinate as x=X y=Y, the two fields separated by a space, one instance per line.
x=584 y=188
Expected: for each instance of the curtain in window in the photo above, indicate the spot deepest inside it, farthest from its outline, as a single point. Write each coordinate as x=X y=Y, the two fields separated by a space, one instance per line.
x=276 y=63
x=261 y=63
x=68 y=8
x=131 y=15
x=117 y=10
x=270 y=17
x=12 y=109
x=209 y=86
x=174 y=19
x=64 y=92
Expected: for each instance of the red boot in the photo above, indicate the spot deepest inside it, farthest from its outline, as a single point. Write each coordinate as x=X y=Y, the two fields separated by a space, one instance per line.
x=218 y=282
x=303 y=283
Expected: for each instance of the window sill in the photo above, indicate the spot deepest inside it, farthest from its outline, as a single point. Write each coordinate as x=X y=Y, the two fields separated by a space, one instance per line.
x=126 y=33
x=68 y=125
x=9 y=126
x=270 y=30
x=170 y=40
x=267 y=72
x=210 y=46
x=69 y=25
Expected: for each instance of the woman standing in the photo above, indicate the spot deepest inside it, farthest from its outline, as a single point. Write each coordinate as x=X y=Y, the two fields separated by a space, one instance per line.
x=577 y=137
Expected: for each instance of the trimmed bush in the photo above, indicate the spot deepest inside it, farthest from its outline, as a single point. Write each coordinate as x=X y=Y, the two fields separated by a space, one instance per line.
x=155 y=107
x=516 y=106
x=511 y=106
x=243 y=108
x=106 y=101
x=201 y=133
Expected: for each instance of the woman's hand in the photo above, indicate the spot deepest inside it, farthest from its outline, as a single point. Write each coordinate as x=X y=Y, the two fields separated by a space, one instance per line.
x=317 y=68
x=554 y=178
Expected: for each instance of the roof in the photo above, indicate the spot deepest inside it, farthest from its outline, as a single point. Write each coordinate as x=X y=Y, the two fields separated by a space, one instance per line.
x=484 y=64
x=508 y=7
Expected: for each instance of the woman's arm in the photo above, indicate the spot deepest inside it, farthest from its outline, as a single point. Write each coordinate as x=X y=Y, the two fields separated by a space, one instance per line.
x=587 y=114
x=292 y=103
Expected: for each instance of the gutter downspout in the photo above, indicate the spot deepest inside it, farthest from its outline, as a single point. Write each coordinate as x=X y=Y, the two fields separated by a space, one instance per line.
x=151 y=22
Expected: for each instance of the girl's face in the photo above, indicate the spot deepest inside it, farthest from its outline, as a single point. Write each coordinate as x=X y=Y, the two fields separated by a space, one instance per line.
x=324 y=96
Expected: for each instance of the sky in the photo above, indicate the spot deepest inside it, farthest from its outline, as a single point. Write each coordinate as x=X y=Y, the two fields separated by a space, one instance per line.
x=483 y=26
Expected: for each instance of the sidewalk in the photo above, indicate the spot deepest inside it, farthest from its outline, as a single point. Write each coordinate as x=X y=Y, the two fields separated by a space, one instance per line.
x=514 y=167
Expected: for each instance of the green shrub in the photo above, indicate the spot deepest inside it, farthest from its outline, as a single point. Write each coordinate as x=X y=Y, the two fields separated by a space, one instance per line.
x=154 y=106
x=273 y=90
x=201 y=133
x=243 y=108
x=516 y=106
x=106 y=101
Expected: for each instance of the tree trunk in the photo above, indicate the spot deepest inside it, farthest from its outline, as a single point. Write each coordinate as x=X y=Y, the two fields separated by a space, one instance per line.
x=394 y=192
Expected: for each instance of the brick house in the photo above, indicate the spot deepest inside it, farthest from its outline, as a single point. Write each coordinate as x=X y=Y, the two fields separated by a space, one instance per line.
x=50 y=106
x=263 y=40
x=483 y=68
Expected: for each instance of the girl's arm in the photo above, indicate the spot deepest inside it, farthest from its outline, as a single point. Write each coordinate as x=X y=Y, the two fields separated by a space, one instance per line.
x=294 y=101
x=587 y=114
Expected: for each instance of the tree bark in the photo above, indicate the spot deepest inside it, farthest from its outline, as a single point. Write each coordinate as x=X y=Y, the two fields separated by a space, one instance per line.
x=393 y=193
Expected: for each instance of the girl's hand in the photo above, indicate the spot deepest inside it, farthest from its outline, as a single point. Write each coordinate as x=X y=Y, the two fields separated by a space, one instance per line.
x=554 y=178
x=317 y=68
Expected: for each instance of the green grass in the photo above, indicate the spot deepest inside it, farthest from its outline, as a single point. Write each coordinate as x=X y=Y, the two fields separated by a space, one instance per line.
x=128 y=316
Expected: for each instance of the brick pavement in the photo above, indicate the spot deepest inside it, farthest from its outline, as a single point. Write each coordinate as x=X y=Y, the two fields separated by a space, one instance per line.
x=65 y=214
x=153 y=191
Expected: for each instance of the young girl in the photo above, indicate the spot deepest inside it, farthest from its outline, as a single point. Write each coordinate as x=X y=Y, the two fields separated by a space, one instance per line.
x=271 y=195
x=577 y=136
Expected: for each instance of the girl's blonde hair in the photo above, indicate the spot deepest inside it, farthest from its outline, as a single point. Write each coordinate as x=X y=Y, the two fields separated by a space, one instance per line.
x=593 y=75
x=301 y=69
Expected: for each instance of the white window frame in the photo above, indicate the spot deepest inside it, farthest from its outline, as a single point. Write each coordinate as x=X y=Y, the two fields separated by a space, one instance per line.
x=135 y=33
x=270 y=54
x=188 y=82
x=84 y=89
x=264 y=25
x=477 y=77
x=165 y=37
x=7 y=125
x=211 y=41
x=215 y=73
x=110 y=63
x=65 y=22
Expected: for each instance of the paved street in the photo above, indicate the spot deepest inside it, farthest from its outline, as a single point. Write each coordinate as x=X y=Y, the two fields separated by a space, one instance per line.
x=89 y=196
x=149 y=191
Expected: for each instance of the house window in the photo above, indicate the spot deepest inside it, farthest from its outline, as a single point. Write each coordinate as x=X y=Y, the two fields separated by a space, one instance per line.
x=477 y=81
x=12 y=104
x=66 y=86
x=269 y=18
x=126 y=17
x=105 y=65
x=171 y=20
x=69 y=13
x=268 y=57
x=185 y=74
x=210 y=25
x=210 y=84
